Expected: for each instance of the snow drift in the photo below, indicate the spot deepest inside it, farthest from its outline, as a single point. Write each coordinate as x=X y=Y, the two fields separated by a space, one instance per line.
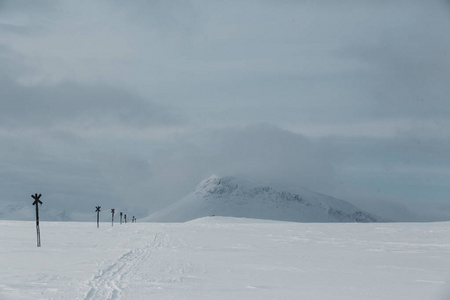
x=233 y=197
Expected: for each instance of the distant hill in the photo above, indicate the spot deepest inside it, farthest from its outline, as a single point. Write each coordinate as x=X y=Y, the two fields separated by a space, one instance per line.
x=234 y=197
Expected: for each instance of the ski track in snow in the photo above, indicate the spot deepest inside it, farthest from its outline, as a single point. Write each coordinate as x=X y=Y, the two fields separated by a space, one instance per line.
x=109 y=283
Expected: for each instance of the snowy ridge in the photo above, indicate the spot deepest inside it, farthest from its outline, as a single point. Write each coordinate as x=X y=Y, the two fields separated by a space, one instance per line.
x=233 y=197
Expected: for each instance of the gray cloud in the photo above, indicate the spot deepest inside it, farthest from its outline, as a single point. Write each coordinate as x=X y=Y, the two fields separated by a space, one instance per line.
x=410 y=81
x=402 y=178
x=77 y=105
x=301 y=61
x=261 y=152
x=75 y=173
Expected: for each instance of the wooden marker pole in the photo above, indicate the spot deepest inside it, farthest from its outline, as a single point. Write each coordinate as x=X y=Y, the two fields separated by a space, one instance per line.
x=97 y=209
x=36 y=202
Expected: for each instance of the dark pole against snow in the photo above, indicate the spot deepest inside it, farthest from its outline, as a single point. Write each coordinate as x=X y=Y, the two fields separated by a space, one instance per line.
x=112 y=212
x=36 y=202
x=133 y=219
x=125 y=217
x=121 y=213
x=97 y=209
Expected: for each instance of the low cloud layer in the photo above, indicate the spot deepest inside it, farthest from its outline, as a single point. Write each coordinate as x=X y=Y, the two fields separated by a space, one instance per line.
x=381 y=175
x=262 y=152
x=72 y=104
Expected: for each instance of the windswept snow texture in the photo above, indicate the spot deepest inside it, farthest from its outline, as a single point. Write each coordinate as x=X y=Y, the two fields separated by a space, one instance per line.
x=233 y=197
x=225 y=258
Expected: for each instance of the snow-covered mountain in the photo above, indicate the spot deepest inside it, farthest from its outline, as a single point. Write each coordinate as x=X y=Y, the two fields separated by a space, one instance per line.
x=234 y=197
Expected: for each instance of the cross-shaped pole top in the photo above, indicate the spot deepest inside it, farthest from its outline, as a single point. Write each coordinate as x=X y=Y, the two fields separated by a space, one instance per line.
x=113 y=210
x=97 y=208
x=36 y=199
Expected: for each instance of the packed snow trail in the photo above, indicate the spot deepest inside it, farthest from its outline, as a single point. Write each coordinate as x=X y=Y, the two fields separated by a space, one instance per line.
x=110 y=282
x=224 y=258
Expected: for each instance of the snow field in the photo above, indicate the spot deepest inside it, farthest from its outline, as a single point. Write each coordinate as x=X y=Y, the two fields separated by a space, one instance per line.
x=225 y=258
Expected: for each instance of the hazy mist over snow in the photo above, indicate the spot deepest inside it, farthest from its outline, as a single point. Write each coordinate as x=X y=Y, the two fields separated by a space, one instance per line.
x=131 y=104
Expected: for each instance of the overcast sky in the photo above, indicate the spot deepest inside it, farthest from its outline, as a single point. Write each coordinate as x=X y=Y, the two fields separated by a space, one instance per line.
x=129 y=104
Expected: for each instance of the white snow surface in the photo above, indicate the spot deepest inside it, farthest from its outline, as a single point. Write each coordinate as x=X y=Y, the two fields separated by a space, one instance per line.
x=225 y=258
x=235 y=197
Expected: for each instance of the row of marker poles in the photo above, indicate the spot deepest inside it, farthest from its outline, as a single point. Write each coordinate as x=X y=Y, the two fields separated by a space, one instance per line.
x=36 y=202
x=113 y=211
